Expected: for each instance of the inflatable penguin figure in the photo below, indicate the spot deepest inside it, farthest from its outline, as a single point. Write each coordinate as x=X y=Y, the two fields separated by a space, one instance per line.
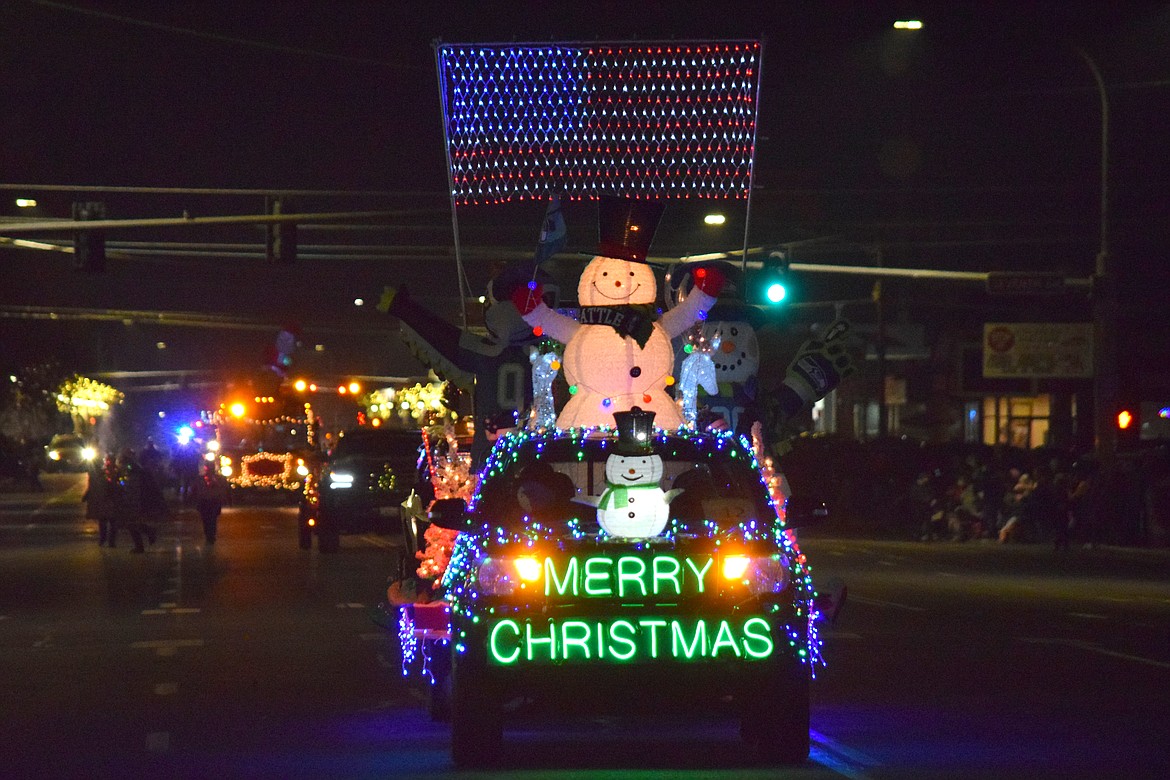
x=494 y=365
x=633 y=504
x=618 y=355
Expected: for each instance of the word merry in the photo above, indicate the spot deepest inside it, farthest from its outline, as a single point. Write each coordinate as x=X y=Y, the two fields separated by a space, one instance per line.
x=626 y=576
x=619 y=640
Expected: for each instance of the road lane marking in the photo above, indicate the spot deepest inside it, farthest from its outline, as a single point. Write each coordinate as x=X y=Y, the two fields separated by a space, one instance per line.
x=166 y=647
x=1087 y=615
x=166 y=689
x=1092 y=648
x=172 y=611
x=840 y=759
x=350 y=605
x=880 y=603
x=379 y=542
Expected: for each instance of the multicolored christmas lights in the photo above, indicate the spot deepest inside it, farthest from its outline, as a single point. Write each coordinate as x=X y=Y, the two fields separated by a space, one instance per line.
x=462 y=589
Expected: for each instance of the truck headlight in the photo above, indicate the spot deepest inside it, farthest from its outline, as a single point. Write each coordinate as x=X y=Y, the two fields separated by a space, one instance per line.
x=759 y=573
x=340 y=479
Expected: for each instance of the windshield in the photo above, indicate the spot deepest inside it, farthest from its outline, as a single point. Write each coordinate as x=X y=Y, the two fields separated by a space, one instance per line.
x=378 y=443
x=557 y=482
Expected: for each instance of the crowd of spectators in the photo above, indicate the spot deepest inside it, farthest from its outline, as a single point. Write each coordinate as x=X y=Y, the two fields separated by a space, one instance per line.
x=907 y=490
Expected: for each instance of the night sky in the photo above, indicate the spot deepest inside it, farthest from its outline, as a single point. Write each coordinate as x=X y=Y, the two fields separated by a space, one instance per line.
x=972 y=144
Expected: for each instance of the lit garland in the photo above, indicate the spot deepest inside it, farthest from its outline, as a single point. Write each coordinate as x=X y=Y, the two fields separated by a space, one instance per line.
x=656 y=120
x=81 y=395
x=418 y=405
x=451 y=477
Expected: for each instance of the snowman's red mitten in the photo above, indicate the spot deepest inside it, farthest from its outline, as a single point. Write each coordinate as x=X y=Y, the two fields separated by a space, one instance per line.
x=709 y=280
x=527 y=298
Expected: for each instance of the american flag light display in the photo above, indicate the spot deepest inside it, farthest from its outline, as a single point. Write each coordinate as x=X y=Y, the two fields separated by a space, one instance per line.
x=655 y=120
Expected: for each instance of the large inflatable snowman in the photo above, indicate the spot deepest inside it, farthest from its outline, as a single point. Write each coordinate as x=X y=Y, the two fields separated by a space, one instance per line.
x=633 y=504
x=618 y=354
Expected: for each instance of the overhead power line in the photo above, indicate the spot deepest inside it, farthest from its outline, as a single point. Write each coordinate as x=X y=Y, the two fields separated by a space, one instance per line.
x=187 y=31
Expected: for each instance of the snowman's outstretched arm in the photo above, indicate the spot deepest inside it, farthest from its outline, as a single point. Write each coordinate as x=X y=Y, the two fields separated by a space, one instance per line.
x=708 y=283
x=681 y=317
x=538 y=315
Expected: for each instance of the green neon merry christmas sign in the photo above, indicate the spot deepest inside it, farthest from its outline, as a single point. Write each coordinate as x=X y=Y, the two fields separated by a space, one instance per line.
x=619 y=640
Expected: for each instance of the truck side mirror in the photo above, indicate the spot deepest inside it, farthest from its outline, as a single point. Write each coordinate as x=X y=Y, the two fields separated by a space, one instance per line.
x=450 y=513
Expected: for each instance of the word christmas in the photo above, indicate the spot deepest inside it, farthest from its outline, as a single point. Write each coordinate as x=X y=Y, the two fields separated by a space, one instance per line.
x=636 y=639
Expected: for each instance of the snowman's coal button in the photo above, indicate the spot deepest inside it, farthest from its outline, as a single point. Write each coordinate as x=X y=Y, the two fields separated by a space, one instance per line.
x=630 y=500
x=636 y=371
x=631 y=515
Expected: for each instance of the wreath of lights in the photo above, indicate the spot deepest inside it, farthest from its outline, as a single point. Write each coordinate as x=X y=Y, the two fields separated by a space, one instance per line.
x=287 y=479
x=650 y=119
x=471 y=548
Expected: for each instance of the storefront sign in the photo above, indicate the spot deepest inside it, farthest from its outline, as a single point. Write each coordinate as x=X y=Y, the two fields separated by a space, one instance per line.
x=1037 y=350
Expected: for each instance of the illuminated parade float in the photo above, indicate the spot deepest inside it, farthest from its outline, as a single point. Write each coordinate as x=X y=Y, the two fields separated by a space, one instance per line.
x=612 y=554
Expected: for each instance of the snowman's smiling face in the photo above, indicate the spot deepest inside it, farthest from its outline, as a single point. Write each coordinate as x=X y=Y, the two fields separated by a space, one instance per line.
x=738 y=356
x=633 y=469
x=607 y=281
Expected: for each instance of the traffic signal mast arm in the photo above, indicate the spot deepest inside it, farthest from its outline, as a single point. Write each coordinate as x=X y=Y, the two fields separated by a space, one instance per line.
x=986 y=277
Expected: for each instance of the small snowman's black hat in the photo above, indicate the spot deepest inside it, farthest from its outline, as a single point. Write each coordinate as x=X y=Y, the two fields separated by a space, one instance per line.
x=626 y=227
x=635 y=431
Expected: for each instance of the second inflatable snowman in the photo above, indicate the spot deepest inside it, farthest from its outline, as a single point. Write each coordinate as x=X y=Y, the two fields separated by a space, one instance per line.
x=618 y=354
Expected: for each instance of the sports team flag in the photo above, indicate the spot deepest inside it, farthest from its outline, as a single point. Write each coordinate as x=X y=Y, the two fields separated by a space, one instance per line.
x=661 y=120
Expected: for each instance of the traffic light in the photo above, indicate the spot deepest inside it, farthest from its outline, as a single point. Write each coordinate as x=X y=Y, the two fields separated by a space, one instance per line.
x=1128 y=427
x=280 y=244
x=770 y=285
x=89 y=246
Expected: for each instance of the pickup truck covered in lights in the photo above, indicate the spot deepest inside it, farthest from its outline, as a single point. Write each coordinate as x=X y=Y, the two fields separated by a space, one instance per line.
x=606 y=571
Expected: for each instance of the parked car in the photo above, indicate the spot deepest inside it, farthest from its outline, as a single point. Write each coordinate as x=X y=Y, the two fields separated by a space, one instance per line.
x=361 y=487
x=69 y=452
x=571 y=592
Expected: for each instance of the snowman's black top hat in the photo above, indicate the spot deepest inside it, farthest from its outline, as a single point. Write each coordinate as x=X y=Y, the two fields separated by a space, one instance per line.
x=635 y=431
x=626 y=227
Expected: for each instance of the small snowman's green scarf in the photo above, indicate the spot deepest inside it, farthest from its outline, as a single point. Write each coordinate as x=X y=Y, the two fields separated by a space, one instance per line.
x=616 y=496
x=635 y=321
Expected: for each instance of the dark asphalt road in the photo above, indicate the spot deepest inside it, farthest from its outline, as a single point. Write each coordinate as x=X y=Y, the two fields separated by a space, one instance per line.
x=257 y=659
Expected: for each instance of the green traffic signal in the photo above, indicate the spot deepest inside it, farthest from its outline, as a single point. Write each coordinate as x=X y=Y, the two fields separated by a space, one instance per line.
x=769 y=285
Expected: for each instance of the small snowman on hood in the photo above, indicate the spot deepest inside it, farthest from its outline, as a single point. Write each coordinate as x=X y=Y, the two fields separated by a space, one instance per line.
x=618 y=354
x=633 y=504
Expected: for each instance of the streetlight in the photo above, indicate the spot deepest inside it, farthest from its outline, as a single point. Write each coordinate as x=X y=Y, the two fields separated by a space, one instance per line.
x=1104 y=301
